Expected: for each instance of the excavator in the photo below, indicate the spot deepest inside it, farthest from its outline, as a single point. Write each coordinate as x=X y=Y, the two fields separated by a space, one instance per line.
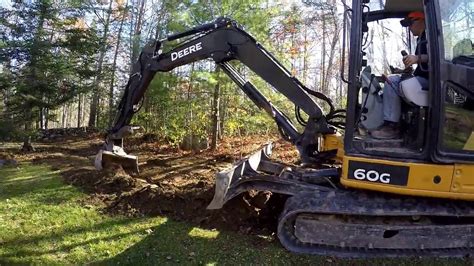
x=351 y=195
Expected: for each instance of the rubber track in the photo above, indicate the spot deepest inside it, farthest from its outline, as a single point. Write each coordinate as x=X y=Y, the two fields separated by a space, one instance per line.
x=360 y=203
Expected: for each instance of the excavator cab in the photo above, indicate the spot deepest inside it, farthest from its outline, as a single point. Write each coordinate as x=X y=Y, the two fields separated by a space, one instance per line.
x=382 y=39
x=437 y=130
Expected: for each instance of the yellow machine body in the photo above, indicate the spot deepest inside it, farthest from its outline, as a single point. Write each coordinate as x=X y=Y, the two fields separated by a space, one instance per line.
x=451 y=181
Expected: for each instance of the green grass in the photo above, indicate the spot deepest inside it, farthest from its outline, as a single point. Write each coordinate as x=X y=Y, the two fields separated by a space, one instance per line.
x=43 y=222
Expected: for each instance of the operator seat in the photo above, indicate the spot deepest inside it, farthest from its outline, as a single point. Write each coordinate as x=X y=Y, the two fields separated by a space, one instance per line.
x=371 y=102
x=414 y=112
x=414 y=93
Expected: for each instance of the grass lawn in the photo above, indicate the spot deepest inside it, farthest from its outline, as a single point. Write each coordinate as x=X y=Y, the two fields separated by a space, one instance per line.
x=43 y=222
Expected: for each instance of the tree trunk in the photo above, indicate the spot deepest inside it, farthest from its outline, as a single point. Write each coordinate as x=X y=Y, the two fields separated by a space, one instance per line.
x=216 y=113
x=79 y=111
x=68 y=116
x=41 y=118
x=223 y=117
x=35 y=53
x=98 y=78
x=305 y=53
x=63 y=117
x=5 y=99
x=46 y=118
x=223 y=111
x=27 y=147
x=332 y=52
x=189 y=120
x=323 y=56
x=114 y=65
x=160 y=17
x=137 y=33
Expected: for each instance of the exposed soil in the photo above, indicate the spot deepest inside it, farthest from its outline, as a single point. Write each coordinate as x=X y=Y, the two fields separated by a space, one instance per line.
x=172 y=182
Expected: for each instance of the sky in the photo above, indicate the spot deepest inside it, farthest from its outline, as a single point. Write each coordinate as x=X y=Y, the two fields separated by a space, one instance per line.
x=393 y=47
x=5 y=3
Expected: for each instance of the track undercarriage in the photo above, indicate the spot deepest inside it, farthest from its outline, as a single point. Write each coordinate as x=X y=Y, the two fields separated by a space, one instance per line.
x=321 y=217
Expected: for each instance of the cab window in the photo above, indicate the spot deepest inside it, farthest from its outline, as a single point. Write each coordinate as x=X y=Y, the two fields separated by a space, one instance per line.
x=457 y=22
x=458 y=32
x=458 y=128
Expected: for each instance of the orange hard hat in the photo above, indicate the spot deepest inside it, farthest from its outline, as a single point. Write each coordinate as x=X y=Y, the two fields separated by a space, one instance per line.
x=412 y=16
x=416 y=15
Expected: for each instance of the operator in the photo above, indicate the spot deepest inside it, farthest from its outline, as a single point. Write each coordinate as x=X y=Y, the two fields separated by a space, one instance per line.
x=392 y=92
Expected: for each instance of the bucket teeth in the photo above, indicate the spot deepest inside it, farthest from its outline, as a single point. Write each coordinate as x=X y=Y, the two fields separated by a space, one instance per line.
x=223 y=180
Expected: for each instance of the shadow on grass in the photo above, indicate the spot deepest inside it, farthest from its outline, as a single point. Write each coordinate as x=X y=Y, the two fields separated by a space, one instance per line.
x=175 y=243
x=38 y=183
x=25 y=246
x=55 y=231
x=35 y=232
x=41 y=222
x=179 y=243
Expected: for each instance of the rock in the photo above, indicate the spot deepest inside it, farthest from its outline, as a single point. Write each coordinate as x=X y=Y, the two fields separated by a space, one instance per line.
x=186 y=143
x=60 y=133
x=194 y=142
x=11 y=162
x=200 y=144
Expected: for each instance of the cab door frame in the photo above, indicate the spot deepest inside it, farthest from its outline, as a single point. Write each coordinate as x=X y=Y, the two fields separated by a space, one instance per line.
x=354 y=86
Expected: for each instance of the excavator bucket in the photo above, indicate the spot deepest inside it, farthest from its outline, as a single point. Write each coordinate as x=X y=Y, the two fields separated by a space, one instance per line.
x=113 y=154
x=104 y=159
x=259 y=172
x=227 y=179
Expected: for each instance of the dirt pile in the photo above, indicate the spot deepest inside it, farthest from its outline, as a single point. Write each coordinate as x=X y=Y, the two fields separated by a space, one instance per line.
x=61 y=134
x=174 y=183
x=6 y=156
x=123 y=194
x=111 y=181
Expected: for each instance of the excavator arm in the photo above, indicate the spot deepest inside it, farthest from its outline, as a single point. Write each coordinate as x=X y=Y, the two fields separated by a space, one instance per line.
x=222 y=41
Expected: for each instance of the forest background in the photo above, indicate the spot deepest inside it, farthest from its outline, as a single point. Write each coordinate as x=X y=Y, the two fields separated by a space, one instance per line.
x=66 y=63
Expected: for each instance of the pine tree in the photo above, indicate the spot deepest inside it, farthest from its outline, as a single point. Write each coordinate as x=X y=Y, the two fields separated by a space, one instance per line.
x=46 y=53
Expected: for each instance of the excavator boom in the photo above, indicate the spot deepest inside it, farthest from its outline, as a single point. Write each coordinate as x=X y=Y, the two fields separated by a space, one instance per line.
x=222 y=41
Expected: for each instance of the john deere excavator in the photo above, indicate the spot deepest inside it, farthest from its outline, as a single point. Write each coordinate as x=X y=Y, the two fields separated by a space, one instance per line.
x=352 y=195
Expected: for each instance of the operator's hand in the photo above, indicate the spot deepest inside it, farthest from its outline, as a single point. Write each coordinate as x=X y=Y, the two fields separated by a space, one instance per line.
x=410 y=60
